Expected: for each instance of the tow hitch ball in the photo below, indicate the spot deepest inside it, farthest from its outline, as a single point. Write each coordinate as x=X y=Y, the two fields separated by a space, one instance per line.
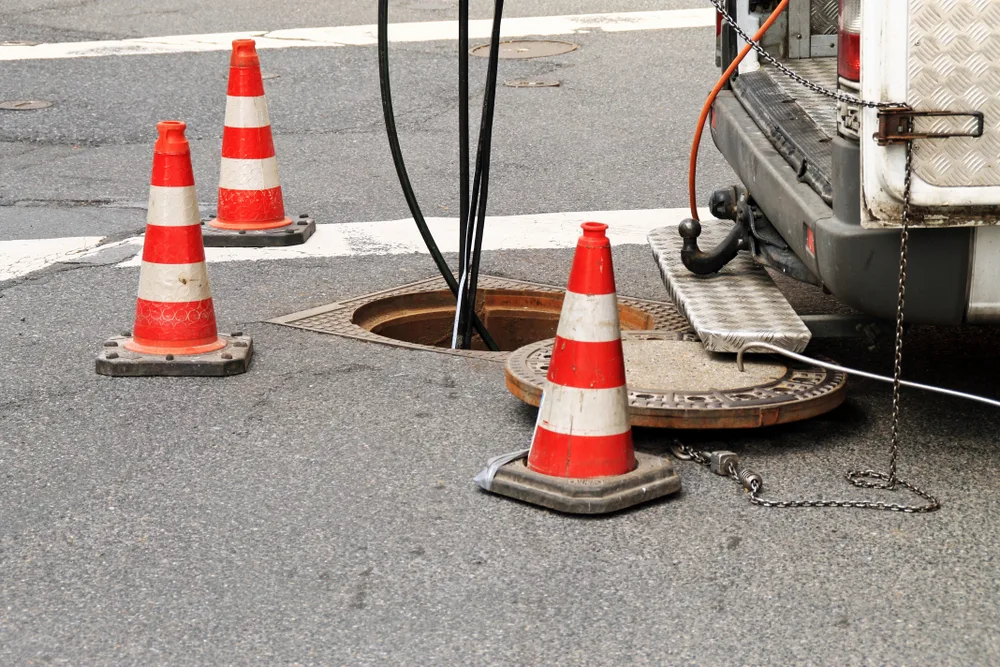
x=724 y=205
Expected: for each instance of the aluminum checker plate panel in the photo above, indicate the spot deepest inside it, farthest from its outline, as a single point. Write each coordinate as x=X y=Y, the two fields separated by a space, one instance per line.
x=954 y=65
x=823 y=16
x=738 y=305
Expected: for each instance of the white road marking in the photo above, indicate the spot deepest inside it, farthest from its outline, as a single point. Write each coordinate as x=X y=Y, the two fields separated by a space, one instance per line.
x=366 y=35
x=397 y=237
x=18 y=258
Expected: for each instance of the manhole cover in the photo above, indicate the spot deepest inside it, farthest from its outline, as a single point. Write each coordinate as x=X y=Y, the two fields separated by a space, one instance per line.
x=24 y=105
x=527 y=48
x=419 y=316
x=522 y=83
x=674 y=383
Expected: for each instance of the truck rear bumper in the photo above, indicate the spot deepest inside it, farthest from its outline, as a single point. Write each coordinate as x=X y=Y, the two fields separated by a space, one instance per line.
x=859 y=266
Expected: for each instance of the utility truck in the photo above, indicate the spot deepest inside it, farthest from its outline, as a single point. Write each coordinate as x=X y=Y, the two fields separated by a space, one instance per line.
x=867 y=112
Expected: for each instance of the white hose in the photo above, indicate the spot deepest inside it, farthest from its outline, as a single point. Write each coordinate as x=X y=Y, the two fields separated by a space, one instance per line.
x=851 y=371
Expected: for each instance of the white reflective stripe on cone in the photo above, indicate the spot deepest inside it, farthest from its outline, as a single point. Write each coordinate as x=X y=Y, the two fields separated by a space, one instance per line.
x=174 y=283
x=239 y=174
x=247 y=111
x=172 y=206
x=584 y=411
x=589 y=318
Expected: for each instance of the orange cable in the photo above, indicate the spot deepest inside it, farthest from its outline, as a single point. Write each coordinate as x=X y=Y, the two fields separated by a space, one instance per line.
x=693 y=167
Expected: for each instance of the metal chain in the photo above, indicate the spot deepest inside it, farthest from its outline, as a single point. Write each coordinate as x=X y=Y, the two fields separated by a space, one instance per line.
x=816 y=88
x=727 y=463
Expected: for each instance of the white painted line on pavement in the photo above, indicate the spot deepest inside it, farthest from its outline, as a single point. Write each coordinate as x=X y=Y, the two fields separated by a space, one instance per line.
x=366 y=35
x=396 y=237
x=18 y=258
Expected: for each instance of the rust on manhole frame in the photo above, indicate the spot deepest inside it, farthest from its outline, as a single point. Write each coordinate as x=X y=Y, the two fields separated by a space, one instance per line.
x=526 y=49
x=339 y=318
x=800 y=393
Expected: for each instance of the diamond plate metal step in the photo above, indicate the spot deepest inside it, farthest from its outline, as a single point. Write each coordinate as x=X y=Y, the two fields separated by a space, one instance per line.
x=737 y=305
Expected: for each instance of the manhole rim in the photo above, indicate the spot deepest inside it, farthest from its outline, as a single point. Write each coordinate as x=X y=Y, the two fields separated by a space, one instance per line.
x=749 y=414
x=24 y=105
x=473 y=50
x=532 y=83
x=663 y=313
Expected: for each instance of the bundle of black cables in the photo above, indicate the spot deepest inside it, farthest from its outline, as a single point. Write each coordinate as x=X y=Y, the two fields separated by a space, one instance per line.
x=472 y=209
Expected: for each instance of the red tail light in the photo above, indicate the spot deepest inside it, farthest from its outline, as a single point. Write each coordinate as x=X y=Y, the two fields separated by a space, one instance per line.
x=849 y=40
x=718 y=23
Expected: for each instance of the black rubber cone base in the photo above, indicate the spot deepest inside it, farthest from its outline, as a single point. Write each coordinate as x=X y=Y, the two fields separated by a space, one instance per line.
x=233 y=359
x=653 y=477
x=296 y=233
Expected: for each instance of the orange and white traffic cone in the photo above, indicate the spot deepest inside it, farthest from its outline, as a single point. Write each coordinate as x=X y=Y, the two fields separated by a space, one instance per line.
x=581 y=458
x=251 y=209
x=175 y=331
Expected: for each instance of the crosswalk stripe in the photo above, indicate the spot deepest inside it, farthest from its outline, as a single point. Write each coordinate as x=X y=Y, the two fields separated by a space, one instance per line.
x=366 y=35
x=19 y=258
x=396 y=237
x=545 y=231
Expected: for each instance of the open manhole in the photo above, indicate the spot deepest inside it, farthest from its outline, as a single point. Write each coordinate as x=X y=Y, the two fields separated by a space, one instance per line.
x=526 y=48
x=420 y=316
x=673 y=382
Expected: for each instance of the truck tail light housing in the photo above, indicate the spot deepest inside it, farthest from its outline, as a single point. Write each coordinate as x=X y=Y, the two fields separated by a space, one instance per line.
x=849 y=40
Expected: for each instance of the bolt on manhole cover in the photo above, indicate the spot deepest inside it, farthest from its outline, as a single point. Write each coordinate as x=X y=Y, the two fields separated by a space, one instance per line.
x=524 y=83
x=419 y=316
x=673 y=382
x=24 y=105
x=527 y=48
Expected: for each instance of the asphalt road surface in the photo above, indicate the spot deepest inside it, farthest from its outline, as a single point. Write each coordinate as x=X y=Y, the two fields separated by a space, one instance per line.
x=320 y=508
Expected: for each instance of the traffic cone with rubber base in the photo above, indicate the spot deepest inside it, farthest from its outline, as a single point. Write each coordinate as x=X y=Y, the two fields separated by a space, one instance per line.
x=581 y=459
x=175 y=331
x=251 y=210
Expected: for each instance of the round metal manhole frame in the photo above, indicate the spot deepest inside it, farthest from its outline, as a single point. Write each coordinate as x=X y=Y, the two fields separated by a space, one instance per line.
x=531 y=83
x=801 y=393
x=24 y=105
x=526 y=49
x=337 y=319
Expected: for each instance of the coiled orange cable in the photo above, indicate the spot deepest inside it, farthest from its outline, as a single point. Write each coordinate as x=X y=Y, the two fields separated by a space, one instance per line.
x=693 y=167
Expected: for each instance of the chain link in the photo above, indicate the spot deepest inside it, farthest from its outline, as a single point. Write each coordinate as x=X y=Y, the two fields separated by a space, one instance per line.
x=866 y=479
x=798 y=78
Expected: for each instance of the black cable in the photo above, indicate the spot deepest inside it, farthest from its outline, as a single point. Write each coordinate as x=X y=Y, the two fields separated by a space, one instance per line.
x=483 y=165
x=404 y=179
x=463 y=147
